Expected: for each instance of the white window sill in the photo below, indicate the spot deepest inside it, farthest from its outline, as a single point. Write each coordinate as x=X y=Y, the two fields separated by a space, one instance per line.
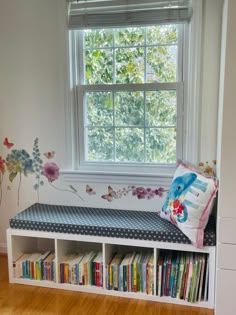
x=117 y=178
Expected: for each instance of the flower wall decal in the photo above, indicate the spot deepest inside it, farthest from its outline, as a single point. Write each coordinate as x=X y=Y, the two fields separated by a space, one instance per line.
x=51 y=171
x=37 y=166
x=19 y=162
x=208 y=167
x=138 y=192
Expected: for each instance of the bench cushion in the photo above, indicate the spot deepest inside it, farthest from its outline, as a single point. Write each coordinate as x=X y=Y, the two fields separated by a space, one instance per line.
x=141 y=225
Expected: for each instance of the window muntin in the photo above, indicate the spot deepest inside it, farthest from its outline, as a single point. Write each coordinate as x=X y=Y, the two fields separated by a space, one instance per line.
x=131 y=87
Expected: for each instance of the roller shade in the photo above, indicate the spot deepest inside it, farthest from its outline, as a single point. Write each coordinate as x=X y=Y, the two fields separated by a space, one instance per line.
x=84 y=14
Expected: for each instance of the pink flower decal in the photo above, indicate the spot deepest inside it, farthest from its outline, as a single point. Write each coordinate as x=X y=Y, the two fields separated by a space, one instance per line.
x=51 y=171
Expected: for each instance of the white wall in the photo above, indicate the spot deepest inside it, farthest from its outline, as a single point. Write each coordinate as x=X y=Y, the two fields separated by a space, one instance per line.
x=33 y=96
x=32 y=65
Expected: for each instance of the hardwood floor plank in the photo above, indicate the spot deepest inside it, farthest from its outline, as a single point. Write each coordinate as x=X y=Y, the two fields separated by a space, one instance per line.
x=28 y=300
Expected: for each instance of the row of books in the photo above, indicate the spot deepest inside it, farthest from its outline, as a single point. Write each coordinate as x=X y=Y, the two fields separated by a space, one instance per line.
x=37 y=266
x=180 y=275
x=132 y=272
x=183 y=275
x=82 y=269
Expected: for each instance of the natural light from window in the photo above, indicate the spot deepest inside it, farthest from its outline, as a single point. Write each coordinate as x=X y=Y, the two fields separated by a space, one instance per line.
x=129 y=81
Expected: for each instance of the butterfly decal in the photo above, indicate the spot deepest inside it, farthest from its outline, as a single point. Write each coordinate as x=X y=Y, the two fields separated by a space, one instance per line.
x=7 y=143
x=111 y=194
x=49 y=155
x=90 y=191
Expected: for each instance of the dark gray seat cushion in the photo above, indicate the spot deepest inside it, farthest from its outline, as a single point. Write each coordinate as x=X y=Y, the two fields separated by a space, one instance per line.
x=140 y=225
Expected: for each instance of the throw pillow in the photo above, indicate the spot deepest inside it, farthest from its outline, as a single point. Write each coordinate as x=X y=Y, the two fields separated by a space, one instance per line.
x=189 y=201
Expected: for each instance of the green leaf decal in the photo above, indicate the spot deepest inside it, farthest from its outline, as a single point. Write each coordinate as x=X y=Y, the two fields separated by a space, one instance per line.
x=12 y=176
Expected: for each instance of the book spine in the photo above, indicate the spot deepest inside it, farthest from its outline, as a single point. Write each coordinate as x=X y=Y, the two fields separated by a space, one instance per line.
x=101 y=274
x=159 y=279
x=129 y=277
x=110 y=277
x=144 y=271
x=96 y=275
x=139 y=277
x=121 y=280
x=134 y=277
x=206 y=280
x=168 y=277
x=201 y=279
x=172 y=277
x=125 y=275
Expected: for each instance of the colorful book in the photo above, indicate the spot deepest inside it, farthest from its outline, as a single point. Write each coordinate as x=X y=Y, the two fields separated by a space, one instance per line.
x=159 y=282
x=97 y=269
x=206 y=280
x=201 y=278
x=190 y=275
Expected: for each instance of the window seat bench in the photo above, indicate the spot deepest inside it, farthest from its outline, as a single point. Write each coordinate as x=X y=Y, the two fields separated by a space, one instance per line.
x=68 y=230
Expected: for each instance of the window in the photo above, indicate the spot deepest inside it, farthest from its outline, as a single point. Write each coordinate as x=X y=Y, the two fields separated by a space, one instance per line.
x=130 y=83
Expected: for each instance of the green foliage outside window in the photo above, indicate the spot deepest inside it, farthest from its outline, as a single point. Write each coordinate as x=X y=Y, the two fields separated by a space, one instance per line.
x=131 y=126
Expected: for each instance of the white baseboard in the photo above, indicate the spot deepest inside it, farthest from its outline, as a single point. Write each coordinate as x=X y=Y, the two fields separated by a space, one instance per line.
x=3 y=248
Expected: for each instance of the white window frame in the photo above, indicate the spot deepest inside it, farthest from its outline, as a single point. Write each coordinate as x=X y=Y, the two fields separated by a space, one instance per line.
x=82 y=171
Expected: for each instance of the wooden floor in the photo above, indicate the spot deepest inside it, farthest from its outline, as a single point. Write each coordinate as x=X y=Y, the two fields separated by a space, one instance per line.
x=27 y=300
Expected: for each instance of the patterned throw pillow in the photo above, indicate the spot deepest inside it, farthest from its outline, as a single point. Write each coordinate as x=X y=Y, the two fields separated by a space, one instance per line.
x=189 y=201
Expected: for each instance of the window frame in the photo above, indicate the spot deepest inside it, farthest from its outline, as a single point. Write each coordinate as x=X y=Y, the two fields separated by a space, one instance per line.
x=83 y=88
x=84 y=172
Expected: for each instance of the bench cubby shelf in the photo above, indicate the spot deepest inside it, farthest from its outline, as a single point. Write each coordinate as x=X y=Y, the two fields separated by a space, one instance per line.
x=23 y=241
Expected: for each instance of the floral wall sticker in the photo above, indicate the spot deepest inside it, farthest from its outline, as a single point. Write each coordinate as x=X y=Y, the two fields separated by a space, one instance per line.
x=138 y=192
x=208 y=167
x=50 y=170
x=19 y=163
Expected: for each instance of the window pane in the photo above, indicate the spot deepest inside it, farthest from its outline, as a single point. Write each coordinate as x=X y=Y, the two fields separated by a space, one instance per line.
x=161 y=145
x=98 y=38
x=98 y=66
x=100 y=144
x=129 y=108
x=161 y=64
x=129 y=65
x=129 y=144
x=162 y=34
x=130 y=126
x=99 y=108
x=131 y=36
x=161 y=108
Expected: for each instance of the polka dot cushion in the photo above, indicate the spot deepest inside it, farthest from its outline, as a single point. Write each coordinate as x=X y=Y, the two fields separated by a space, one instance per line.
x=140 y=225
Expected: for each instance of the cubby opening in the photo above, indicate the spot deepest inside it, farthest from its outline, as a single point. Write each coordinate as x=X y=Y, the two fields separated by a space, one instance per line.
x=80 y=263
x=130 y=269
x=33 y=258
x=182 y=275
